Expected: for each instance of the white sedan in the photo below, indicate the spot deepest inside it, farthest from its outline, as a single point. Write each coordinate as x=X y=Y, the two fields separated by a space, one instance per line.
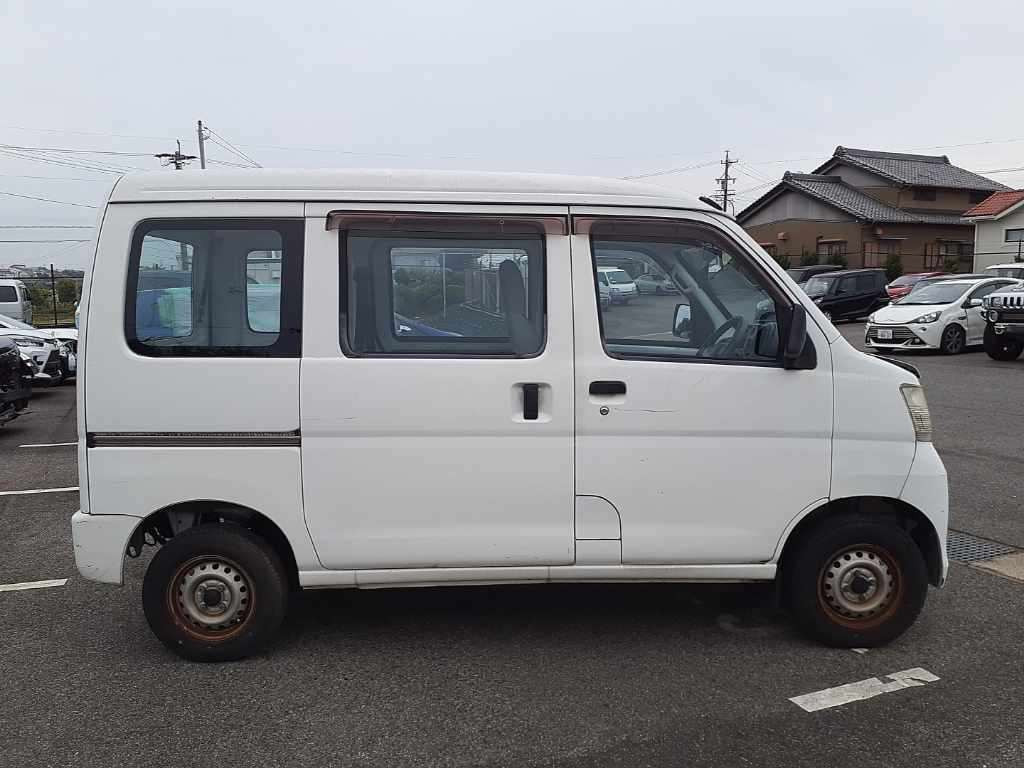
x=944 y=315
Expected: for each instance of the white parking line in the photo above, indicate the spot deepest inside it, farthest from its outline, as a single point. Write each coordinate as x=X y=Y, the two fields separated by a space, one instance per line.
x=45 y=445
x=73 y=488
x=865 y=689
x=33 y=585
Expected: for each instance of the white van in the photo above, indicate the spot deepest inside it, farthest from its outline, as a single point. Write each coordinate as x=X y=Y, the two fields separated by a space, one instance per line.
x=425 y=390
x=15 y=301
x=616 y=284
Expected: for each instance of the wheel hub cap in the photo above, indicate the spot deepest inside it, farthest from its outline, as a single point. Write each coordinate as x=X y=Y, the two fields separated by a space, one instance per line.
x=858 y=583
x=212 y=595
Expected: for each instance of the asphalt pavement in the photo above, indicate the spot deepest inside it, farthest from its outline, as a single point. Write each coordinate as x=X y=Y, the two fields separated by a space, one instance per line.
x=594 y=675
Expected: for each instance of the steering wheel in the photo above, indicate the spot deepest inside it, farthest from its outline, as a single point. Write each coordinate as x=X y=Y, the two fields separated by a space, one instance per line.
x=736 y=323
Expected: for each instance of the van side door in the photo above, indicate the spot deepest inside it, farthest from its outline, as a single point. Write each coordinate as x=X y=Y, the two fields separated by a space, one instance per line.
x=686 y=421
x=437 y=388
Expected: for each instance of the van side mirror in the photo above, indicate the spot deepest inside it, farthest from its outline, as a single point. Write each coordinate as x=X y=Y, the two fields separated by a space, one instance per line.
x=793 y=353
x=681 y=320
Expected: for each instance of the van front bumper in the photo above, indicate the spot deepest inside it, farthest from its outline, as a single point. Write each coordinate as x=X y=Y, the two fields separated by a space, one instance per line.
x=100 y=545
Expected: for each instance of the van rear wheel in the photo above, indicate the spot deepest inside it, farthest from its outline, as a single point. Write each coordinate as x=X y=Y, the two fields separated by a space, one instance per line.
x=856 y=582
x=215 y=593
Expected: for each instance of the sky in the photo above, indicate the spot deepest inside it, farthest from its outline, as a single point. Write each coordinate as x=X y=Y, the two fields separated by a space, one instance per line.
x=659 y=89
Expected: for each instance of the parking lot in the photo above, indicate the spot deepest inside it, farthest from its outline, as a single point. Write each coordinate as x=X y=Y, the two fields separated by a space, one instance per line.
x=589 y=675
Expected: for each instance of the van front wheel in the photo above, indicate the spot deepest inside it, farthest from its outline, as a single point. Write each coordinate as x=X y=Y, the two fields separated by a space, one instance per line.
x=215 y=593
x=856 y=582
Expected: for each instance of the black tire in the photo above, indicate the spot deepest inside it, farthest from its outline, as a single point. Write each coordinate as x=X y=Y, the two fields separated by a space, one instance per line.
x=1001 y=347
x=953 y=341
x=237 y=565
x=859 y=544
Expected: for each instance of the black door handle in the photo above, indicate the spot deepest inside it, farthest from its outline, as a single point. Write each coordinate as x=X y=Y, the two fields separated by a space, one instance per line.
x=531 y=401
x=607 y=387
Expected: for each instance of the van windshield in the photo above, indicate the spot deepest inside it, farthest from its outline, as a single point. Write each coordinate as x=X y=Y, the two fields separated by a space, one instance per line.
x=818 y=286
x=619 y=276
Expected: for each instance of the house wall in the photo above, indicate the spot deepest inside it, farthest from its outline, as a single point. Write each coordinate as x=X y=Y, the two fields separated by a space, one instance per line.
x=946 y=200
x=799 y=236
x=990 y=246
x=918 y=240
x=792 y=205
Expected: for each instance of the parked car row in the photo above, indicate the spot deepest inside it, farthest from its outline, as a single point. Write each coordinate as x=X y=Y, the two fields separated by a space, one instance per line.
x=15 y=381
x=54 y=353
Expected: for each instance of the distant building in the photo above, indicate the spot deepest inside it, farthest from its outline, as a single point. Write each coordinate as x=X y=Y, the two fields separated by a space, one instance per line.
x=998 y=229
x=861 y=207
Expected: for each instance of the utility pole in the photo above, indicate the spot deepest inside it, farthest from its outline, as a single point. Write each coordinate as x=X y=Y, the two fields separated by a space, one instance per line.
x=176 y=159
x=202 y=143
x=723 y=182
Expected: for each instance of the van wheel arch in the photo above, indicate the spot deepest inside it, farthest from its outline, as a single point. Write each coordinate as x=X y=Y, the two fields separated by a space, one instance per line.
x=906 y=516
x=163 y=524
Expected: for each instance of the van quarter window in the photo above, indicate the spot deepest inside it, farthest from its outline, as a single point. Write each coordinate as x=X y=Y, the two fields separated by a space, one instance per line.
x=7 y=293
x=442 y=295
x=215 y=288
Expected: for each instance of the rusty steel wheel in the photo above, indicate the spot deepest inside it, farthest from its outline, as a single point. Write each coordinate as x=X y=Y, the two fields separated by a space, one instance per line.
x=211 y=597
x=855 y=580
x=860 y=586
x=217 y=592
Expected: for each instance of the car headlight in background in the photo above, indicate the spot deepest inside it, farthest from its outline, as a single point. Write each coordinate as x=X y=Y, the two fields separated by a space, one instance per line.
x=27 y=341
x=931 y=317
x=871 y=317
x=917 y=406
x=996 y=301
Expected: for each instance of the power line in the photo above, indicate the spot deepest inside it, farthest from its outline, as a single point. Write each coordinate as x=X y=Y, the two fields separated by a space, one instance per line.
x=669 y=171
x=47 y=200
x=80 y=165
x=69 y=151
x=232 y=148
x=46 y=226
x=50 y=178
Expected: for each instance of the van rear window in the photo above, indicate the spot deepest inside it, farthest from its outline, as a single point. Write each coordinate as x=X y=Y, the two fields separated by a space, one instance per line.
x=215 y=288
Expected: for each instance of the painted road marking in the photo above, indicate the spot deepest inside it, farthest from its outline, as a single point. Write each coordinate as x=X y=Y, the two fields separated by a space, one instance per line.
x=45 y=445
x=73 y=488
x=33 y=585
x=865 y=689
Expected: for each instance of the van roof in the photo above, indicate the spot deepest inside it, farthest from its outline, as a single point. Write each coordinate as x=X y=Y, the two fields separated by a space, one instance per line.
x=345 y=185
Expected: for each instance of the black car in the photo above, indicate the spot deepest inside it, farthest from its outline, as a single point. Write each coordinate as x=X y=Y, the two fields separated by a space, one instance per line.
x=15 y=381
x=848 y=294
x=801 y=275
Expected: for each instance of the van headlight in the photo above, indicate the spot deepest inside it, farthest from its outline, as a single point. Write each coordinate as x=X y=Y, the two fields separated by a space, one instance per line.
x=917 y=406
x=931 y=317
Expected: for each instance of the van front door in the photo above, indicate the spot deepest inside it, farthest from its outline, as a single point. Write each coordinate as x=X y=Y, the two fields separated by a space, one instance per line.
x=686 y=420
x=437 y=390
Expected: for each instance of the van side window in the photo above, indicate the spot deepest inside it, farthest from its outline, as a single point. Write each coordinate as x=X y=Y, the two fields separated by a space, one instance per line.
x=215 y=288
x=713 y=303
x=442 y=295
x=8 y=294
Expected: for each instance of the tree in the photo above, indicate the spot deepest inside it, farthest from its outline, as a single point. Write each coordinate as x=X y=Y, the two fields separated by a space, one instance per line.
x=893 y=267
x=783 y=260
x=67 y=291
x=840 y=260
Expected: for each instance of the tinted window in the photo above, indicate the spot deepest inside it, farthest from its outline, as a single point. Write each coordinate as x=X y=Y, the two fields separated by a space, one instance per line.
x=847 y=285
x=443 y=295
x=8 y=294
x=197 y=288
x=818 y=286
x=867 y=282
x=721 y=308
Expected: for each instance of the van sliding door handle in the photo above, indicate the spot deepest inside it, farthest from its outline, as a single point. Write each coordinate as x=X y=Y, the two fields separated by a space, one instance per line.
x=531 y=401
x=607 y=388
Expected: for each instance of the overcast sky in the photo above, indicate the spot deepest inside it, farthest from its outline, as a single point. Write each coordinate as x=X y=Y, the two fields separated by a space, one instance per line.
x=607 y=88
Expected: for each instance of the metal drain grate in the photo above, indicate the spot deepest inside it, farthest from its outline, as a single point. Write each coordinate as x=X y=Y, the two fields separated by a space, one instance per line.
x=965 y=548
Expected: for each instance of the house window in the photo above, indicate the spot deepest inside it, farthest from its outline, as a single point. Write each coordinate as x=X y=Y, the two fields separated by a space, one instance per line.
x=1013 y=235
x=876 y=254
x=828 y=249
x=978 y=196
x=924 y=193
x=769 y=248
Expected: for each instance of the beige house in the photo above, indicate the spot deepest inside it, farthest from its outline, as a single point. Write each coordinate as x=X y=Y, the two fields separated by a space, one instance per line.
x=998 y=229
x=862 y=207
